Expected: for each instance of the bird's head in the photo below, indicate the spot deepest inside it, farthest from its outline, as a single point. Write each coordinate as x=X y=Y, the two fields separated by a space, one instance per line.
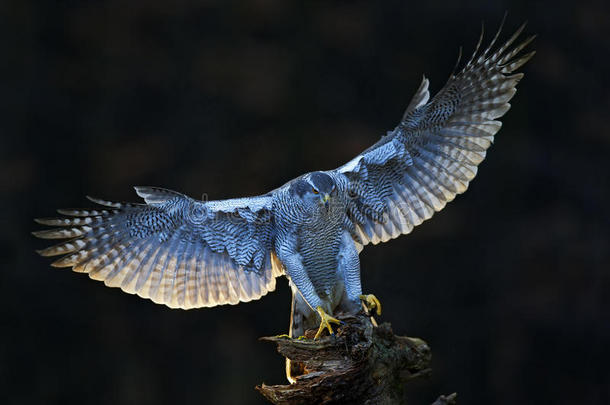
x=317 y=190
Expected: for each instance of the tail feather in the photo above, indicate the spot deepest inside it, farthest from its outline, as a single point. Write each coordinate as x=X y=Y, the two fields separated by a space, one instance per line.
x=302 y=318
x=294 y=369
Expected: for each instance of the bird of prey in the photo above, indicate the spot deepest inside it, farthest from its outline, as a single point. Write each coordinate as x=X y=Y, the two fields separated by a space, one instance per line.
x=187 y=253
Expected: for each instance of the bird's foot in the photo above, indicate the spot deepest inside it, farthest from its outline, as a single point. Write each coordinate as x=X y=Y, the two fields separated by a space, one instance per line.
x=325 y=323
x=371 y=302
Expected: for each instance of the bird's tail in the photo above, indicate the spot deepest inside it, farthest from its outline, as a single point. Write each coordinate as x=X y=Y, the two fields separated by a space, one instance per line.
x=302 y=318
x=294 y=369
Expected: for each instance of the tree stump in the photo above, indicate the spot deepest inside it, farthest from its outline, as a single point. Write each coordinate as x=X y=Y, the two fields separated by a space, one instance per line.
x=360 y=364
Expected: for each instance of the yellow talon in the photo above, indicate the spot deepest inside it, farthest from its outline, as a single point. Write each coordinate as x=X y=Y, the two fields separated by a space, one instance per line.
x=325 y=322
x=371 y=303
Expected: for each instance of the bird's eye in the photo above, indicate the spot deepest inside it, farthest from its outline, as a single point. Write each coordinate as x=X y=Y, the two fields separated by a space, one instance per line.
x=314 y=190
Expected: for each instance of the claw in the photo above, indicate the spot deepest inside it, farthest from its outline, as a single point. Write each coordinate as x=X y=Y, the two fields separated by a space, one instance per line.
x=325 y=322
x=371 y=303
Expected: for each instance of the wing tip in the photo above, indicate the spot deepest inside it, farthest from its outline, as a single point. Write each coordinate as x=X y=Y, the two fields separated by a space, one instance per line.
x=61 y=264
x=38 y=234
x=43 y=221
x=104 y=203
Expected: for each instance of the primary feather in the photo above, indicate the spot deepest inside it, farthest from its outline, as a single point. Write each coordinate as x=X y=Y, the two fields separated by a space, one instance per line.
x=173 y=249
x=186 y=253
x=433 y=154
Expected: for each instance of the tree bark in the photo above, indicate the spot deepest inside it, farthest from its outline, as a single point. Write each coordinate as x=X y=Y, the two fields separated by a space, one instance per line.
x=360 y=364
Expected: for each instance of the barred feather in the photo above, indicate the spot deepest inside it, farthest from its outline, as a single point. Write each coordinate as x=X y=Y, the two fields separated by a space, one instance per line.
x=173 y=250
x=443 y=142
x=188 y=254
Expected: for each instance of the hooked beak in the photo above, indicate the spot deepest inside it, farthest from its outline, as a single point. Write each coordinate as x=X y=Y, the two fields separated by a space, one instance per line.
x=325 y=198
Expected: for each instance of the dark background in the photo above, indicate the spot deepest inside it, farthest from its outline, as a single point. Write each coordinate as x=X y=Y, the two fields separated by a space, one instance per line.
x=509 y=284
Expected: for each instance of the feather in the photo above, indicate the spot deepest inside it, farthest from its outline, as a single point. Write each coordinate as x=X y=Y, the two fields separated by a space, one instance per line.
x=105 y=203
x=421 y=97
x=445 y=140
x=169 y=250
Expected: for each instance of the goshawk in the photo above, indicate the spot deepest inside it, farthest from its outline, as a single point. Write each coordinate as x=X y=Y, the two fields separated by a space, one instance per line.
x=187 y=253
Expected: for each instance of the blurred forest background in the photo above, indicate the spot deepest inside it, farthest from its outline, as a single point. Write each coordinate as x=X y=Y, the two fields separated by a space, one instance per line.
x=509 y=284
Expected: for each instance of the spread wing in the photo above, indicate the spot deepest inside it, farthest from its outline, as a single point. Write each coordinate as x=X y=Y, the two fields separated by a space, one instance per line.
x=175 y=250
x=433 y=153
